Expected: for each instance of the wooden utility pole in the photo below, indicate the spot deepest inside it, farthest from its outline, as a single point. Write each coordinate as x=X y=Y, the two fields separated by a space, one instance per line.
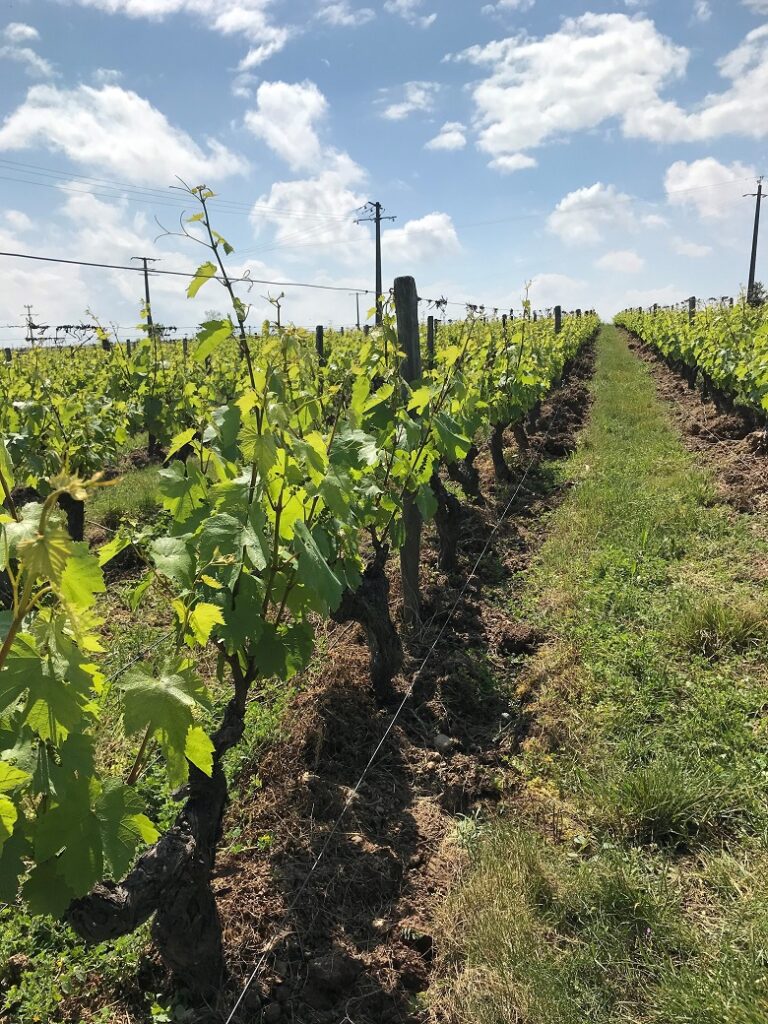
x=153 y=446
x=407 y=309
x=375 y=211
x=758 y=196
x=30 y=338
x=144 y=260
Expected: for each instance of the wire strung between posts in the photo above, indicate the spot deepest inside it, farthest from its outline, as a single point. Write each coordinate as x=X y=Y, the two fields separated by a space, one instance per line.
x=156 y=272
x=354 y=792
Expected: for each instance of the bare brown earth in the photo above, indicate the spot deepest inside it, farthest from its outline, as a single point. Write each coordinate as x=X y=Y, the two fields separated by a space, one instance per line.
x=350 y=939
x=727 y=443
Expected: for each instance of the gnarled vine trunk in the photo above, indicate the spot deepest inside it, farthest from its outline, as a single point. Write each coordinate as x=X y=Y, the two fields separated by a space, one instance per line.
x=75 y=513
x=521 y=437
x=172 y=879
x=466 y=475
x=448 y=520
x=369 y=606
x=500 y=467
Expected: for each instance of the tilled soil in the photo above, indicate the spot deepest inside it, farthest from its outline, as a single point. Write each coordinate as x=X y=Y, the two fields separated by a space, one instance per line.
x=729 y=445
x=332 y=912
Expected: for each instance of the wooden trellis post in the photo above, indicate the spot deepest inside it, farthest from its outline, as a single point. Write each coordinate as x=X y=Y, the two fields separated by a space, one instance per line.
x=319 y=344
x=407 y=309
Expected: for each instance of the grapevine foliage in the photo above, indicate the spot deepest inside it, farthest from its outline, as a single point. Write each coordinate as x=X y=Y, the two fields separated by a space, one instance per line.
x=282 y=474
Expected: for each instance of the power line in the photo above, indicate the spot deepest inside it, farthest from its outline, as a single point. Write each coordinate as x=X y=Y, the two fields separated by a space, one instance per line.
x=607 y=204
x=235 y=280
x=140 y=193
x=187 y=273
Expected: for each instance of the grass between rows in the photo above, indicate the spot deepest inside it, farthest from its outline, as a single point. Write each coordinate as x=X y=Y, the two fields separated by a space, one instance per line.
x=648 y=750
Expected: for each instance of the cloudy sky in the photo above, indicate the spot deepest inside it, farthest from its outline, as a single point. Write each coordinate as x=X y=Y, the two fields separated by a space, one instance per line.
x=599 y=149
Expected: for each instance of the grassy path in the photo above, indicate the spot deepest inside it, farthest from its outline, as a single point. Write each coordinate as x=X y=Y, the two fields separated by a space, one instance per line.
x=648 y=747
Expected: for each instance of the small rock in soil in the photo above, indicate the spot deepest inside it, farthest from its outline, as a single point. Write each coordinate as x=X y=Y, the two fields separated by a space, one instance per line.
x=15 y=966
x=443 y=744
x=420 y=941
x=329 y=977
x=520 y=639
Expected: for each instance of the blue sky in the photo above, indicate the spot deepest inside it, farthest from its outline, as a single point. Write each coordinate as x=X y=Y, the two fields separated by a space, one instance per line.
x=598 y=150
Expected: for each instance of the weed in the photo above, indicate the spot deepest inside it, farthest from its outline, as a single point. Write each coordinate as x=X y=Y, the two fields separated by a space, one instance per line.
x=714 y=627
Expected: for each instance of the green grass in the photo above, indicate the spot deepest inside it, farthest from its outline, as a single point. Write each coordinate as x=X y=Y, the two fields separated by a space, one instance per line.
x=649 y=739
x=133 y=496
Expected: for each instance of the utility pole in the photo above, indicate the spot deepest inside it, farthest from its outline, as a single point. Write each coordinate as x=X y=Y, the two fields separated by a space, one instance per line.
x=375 y=211
x=30 y=336
x=758 y=196
x=153 y=445
x=144 y=260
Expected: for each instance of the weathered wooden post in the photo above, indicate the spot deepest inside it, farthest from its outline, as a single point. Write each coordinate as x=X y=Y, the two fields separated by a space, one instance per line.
x=431 y=342
x=185 y=347
x=558 y=319
x=8 y=355
x=129 y=346
x=319 y=344
x=106 y=345
x=407 y=309
x=691 y=309
x=366 y=329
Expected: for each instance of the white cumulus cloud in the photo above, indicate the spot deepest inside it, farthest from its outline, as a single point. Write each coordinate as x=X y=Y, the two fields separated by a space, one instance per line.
x=285 y=118
x=411 y=11
x=552 y=289
x=621 y=261
x=741 y=109
x=116 y=131
x=310 y=213
x=16 y=35
x=584 y=215
x=594 y=68
x=451 y=136
x=19 y=32
x=599 y=68
x=507 y=164
x=504 y=6
x=694 y=250
x=249 y=19
x=707 y=186
x=421 y=240
x=417 y=96
x=343 y=15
